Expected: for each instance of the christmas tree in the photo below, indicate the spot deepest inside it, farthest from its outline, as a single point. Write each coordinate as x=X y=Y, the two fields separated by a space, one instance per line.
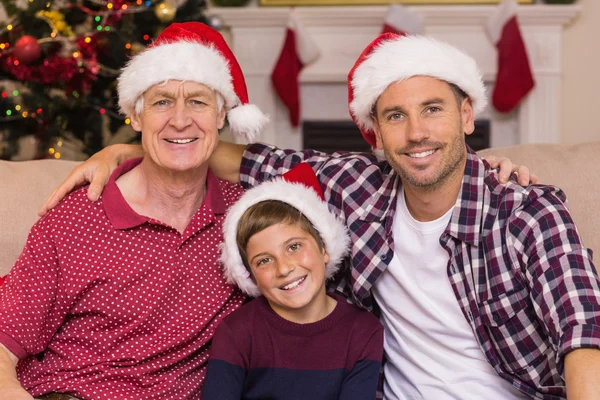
x=59 y=60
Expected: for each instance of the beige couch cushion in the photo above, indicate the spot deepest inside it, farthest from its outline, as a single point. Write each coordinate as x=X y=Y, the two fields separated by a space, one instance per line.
x=573 y=168
x=24 y=186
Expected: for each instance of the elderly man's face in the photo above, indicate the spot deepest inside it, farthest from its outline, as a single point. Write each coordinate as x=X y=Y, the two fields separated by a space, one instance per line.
x=180 y=124
x=420 y=125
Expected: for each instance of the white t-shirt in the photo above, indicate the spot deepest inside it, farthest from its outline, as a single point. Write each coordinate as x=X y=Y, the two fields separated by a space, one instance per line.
x=430 y=348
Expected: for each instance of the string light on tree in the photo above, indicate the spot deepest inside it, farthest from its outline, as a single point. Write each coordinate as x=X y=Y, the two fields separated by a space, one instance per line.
x=165 y=12
x=66 y=55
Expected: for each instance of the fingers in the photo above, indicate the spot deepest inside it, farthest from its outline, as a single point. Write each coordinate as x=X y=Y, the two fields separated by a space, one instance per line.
x=506 y=168
x=523 y=175
x=96 y=170
x=504 y=165
x=97 y=183
x=49 y=204
x=534 y=179
x=76 y=178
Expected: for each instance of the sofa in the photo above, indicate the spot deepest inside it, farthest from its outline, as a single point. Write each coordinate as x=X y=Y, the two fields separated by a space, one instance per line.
x=25 y=185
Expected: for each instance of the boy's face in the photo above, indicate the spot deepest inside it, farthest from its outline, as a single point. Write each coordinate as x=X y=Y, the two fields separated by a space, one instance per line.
x=289 y=269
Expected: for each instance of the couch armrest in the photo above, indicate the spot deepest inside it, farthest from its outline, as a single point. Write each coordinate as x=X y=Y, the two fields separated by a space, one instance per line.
x=24 y=186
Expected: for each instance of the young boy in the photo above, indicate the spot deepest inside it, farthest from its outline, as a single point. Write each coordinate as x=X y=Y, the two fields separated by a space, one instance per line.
x=295 y=341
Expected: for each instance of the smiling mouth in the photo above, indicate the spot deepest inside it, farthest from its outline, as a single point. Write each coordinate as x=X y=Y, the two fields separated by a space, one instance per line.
x=294 y=284
x=422 y=154
x=181 y=141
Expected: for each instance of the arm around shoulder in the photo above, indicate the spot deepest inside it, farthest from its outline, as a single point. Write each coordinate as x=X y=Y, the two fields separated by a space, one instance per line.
x=96 y=170
x=226 y=160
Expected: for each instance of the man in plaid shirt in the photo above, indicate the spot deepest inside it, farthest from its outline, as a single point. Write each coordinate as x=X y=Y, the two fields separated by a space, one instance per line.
x=485 y=289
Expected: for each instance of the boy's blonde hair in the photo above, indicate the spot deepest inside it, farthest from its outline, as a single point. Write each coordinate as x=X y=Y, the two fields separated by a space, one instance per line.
x=265 y=214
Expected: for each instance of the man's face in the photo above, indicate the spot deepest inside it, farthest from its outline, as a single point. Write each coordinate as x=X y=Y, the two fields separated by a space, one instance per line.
x=420 y=125
x=180 y=124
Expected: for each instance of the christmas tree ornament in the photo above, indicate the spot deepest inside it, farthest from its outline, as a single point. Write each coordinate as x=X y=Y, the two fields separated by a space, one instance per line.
x=70 y=71
x=56 y=20
x=215 y=22
x=165 y=12
x=27 y=49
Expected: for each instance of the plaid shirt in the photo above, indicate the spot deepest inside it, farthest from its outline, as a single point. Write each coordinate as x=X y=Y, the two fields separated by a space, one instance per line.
x=519 y=272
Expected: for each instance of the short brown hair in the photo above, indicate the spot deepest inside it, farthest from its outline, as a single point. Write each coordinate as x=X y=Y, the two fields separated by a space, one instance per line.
x=265 y=214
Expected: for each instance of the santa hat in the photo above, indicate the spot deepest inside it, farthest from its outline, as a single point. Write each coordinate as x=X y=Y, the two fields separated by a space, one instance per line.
x=192 y=51
x=300 y=189
x=392 y=58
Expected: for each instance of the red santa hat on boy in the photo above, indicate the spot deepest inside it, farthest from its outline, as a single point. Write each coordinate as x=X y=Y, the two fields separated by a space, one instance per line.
x=192 y=51
x=299 y=188
x=392 y=58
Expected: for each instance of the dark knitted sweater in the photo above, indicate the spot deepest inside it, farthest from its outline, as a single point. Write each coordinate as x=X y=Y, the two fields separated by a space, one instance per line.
x=256 y=354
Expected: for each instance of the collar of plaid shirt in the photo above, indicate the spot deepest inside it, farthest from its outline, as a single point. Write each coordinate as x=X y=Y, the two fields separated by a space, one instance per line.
x=378 y=211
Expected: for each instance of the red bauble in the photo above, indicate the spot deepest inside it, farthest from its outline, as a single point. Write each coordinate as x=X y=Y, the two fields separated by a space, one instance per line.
x=27 y=50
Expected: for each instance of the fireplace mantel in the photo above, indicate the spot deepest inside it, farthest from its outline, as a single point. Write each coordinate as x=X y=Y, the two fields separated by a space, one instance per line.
x=350 y=16
x=256 y=36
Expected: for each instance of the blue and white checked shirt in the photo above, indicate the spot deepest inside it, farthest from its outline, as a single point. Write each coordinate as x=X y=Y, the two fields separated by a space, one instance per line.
x=518 y=269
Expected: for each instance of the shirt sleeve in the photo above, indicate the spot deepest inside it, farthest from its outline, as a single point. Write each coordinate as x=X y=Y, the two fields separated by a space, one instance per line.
x=263 y=162
x=347 y=179
x=226 y=371
x=362 y=381
x=28 y=316
x=563 y=281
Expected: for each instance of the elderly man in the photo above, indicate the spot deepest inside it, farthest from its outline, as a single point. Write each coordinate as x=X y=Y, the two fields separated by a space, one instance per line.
x=450 y=256
x=119 y=299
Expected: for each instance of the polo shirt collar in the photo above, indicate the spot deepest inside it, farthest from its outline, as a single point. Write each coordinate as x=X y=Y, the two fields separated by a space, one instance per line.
x=118 y=211
x=122 y=216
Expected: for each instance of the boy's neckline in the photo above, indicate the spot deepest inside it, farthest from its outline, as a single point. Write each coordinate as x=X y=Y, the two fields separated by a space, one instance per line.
x=297 y=329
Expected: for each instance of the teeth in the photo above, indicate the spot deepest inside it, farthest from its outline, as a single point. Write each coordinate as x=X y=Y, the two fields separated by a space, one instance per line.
x=180 y=141
x=294 y=284
x=421 y=155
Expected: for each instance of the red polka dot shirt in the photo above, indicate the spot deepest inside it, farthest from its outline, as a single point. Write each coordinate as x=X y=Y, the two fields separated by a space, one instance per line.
x=105 y=303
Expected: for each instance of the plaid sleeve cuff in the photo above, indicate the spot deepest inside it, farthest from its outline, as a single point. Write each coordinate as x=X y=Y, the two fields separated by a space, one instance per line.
x=254 y=156
x=578 y=337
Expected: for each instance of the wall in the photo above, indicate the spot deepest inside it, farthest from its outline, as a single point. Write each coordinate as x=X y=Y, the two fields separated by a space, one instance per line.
x=581 y=79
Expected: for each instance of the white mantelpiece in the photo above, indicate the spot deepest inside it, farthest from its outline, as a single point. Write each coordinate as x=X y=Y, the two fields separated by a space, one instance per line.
x=342 y=33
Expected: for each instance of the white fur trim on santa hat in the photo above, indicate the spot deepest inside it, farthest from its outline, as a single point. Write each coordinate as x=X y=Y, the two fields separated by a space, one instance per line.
x=183 y=61
x=247 y=120
x=332 y=230
x=408 y=56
